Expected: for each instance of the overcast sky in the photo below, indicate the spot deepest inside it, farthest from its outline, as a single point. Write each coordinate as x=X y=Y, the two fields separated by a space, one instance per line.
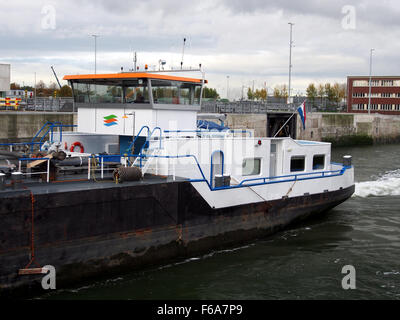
x=247 y=40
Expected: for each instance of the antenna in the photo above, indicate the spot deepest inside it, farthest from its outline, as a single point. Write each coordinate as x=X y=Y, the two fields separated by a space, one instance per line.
x=183 y=52
x=134 y=61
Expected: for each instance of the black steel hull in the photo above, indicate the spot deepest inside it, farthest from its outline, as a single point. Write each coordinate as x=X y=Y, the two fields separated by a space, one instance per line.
x=116 y=228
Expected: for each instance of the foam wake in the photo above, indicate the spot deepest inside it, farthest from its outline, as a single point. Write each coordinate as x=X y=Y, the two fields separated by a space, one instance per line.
x=387 y=185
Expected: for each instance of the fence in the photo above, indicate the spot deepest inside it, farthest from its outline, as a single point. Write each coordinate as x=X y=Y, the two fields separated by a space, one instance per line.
x=245 y=107
x=49 y=104
x=264 y=107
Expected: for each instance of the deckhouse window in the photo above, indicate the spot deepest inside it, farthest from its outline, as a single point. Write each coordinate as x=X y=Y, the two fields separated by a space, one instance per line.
x=297 y=163
x=174 y=92
x=137 y=92
x=251 y=167
x=319 y=162
x=106 y=91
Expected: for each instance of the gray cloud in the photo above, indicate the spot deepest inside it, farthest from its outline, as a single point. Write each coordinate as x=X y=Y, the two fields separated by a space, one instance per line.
x=248 y=40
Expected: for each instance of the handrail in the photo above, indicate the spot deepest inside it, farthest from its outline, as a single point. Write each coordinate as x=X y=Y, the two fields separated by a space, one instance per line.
x=147 y=140
x=295 y=177
x=50 y=128
x=48 y=123
x=211 y=164
x=137 y=136
x=242 y=184
x=156 y=128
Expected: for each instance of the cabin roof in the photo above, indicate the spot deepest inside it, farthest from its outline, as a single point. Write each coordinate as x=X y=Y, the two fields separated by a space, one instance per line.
x=130 y=76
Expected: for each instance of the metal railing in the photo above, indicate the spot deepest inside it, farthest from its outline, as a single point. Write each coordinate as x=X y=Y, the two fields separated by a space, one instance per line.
x=48 y=127
x=48 y=104
x=250 y=182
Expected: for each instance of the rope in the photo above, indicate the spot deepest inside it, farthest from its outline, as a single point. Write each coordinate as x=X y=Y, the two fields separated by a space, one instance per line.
x=93 y=168
x=290 y=189
x=179 y=233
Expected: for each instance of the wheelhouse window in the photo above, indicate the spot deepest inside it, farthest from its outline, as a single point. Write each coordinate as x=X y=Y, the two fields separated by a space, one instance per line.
x=137 y=91
x=251 y=167
x=319 y=162
x=132 y=91
x=174 y=92
x=297 y=163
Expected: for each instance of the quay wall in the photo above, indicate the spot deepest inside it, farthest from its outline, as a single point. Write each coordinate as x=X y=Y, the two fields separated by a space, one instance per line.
x=345 y=129
x=341 y=129
x=338 y=128
x=19 y=126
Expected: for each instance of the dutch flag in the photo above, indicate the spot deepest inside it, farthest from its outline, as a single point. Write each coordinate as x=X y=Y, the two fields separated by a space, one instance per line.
x=302 y=111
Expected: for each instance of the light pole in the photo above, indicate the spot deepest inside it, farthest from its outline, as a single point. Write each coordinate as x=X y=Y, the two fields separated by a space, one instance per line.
x=95 y=36
x=35 y=91
x=290 y=59
x=370 y=72
x=227 y=87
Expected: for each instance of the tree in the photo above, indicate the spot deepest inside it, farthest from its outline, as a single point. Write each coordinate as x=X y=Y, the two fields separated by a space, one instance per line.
x=250 y=94
x=329 y=92
x=321 y=92
x=311 y=92
x=336 y=93
x=41 y=89
x=263 y=94
x=65 y=91
x=277 y=92
x=284 y=92
x=208 y=93
x=15 y=86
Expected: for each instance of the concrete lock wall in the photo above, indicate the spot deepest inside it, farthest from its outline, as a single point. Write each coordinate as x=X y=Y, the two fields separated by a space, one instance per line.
x=19 y=126
x=338 y=128
x=256 y=122
x=350 y=129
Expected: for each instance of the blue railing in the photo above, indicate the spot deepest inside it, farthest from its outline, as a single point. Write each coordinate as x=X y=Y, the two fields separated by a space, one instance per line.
x=145 y=145
x=50 y=129
x=243 y=184
x=137 y=136
x=262 y=180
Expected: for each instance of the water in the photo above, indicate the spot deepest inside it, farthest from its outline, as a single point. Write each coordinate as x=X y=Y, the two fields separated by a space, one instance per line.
x=304 y=262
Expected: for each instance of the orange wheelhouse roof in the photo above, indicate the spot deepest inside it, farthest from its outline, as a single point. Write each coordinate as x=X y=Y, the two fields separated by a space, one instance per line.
x=131 y=75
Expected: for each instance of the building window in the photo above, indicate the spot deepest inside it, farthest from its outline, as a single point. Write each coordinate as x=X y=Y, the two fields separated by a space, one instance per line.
x=297 y=163
x=386 y=107
x=386 y=95
x=360 y=83
x=318 y=162
x=359 y=106
x=387 y=83
x=251 y=167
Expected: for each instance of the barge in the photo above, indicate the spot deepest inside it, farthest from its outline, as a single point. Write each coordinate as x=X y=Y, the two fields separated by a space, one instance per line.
x=139 y=183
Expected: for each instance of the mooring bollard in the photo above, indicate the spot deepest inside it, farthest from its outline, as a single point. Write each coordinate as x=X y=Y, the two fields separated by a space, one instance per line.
x=218 y=181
